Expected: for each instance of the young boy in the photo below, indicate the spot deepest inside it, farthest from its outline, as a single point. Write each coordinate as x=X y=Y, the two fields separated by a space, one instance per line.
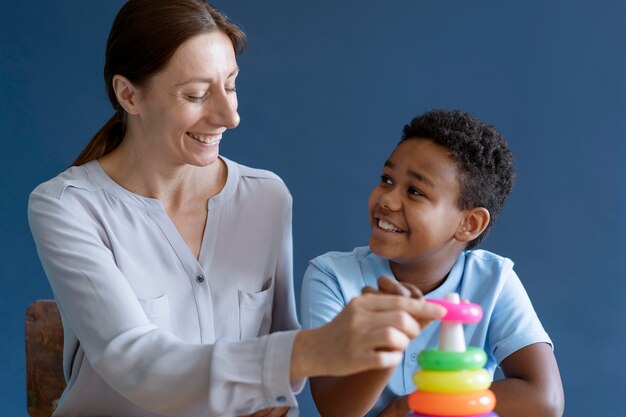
x=440 y=191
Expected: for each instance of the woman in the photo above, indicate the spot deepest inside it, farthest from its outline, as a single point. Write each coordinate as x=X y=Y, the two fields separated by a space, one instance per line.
x=172 y=265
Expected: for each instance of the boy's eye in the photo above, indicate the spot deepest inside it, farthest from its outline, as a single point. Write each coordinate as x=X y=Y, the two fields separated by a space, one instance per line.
x=386 y=180
x=414 y=192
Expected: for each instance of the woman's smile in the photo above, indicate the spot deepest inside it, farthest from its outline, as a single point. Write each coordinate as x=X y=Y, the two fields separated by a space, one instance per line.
x=207 y=139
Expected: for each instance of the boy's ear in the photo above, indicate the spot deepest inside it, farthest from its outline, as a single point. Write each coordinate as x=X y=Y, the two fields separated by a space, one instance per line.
x=475 y=221
x=126 y=93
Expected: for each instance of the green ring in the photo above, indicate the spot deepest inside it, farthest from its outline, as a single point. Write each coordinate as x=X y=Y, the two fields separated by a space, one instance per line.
x=472 y=358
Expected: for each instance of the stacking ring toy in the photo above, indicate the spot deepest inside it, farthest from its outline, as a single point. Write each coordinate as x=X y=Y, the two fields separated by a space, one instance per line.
x=462 y=313
x=452 y=381
x=434 y=404
x=438 y=360
x=489 y=414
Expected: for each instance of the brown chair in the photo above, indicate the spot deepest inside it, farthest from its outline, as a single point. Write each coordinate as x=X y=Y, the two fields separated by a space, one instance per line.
x=44 y=358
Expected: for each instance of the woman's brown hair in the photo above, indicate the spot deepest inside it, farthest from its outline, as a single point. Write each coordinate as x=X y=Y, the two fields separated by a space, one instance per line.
x=144 y=37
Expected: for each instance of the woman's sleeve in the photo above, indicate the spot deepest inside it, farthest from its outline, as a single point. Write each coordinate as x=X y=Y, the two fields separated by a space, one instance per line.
x=284 y=313
x=148 y=366
x=284 y=316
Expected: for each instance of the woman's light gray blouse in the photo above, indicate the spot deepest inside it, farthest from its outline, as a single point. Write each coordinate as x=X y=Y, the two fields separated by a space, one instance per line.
x=151 y=330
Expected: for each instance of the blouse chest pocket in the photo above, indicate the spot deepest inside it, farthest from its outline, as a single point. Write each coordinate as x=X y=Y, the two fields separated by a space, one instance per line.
x=255 y=311
x=158 y=311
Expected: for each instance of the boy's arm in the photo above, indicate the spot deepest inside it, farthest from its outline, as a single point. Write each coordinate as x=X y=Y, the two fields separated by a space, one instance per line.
x=532 y=386
x=398 y=408
x=352 y=395
x=518 y=342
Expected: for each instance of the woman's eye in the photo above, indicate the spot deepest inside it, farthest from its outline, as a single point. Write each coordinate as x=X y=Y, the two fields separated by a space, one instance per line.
x=231 y=90
x=385 y=180
x=197 y=99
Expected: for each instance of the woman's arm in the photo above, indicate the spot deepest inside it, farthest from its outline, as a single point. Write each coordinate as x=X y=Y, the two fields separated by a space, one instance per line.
x=145 y=364
x=532 y=384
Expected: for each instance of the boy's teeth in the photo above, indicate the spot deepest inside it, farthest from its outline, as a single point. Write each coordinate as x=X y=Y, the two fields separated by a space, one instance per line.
x=387 y=226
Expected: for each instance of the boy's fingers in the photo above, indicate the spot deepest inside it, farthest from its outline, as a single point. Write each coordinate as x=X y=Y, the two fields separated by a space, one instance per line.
x=391 y=286
x=415 y=292
x=369 y=290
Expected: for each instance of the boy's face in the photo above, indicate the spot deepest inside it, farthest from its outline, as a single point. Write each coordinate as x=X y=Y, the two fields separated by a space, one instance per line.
x=413 y=210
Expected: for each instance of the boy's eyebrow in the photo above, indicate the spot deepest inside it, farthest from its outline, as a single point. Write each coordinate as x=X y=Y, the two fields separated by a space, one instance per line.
x=413 y=174
x=421 y=178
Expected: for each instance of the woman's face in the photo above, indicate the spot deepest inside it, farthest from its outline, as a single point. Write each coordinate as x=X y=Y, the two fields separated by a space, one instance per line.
x=184 y=109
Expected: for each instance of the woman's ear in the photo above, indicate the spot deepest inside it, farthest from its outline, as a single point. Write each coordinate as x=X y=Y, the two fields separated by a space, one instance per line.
x=475 y=221
x=126 y=93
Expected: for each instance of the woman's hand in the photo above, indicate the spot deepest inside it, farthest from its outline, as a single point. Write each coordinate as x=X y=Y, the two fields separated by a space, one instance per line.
x=398 y=408
x=370 y=333
x=359 y=349
x=270 y=412
x=390 y=286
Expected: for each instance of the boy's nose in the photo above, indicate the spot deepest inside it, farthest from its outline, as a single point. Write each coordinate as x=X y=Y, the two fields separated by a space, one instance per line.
x=389 y=201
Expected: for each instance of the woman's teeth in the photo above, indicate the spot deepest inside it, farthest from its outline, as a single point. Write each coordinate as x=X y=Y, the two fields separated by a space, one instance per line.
x=208 y=139
x=387 y=226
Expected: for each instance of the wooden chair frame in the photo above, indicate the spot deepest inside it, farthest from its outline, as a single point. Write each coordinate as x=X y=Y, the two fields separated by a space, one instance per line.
x=45 y=381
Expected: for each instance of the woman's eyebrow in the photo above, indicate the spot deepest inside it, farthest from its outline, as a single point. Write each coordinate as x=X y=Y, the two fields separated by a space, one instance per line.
x=207 y=80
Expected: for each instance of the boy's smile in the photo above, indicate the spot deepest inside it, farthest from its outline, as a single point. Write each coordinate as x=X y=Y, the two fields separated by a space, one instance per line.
x=414 y=215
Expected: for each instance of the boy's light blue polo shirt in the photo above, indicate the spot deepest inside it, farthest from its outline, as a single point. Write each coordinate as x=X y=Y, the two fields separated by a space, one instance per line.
x=509 y=323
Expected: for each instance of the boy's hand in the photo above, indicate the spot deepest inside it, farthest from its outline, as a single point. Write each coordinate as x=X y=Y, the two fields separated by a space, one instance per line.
x=398 y=408
x=390 y=286
x=270 y=412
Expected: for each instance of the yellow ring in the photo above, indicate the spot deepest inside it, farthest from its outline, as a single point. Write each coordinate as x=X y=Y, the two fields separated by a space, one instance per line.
x=452 y=381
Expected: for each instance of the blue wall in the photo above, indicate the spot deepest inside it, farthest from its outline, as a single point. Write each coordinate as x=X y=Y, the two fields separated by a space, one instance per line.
x=324 y=90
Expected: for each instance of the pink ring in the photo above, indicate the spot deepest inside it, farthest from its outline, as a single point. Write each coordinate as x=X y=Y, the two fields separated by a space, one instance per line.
x=489 y=414
x=463 y=312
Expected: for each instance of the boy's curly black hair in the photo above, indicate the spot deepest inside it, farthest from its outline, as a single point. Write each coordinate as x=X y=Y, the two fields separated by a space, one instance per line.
x=482 y=156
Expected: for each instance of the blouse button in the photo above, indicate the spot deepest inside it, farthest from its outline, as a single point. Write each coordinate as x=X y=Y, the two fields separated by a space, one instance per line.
x=200 y=279
x=413 y=357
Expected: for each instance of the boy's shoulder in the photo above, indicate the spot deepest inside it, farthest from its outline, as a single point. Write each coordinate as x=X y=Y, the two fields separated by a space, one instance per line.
x=330 y=260
x=482 y=265
x=486 y=257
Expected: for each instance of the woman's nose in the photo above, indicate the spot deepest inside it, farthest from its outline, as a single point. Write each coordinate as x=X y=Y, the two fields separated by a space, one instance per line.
x=223 y=111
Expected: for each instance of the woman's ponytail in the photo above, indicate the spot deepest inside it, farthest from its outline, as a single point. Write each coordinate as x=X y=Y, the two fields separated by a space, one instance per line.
x=105 y=140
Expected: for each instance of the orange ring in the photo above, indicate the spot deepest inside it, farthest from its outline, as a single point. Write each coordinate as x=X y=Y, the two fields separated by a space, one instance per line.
x=465 y=404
